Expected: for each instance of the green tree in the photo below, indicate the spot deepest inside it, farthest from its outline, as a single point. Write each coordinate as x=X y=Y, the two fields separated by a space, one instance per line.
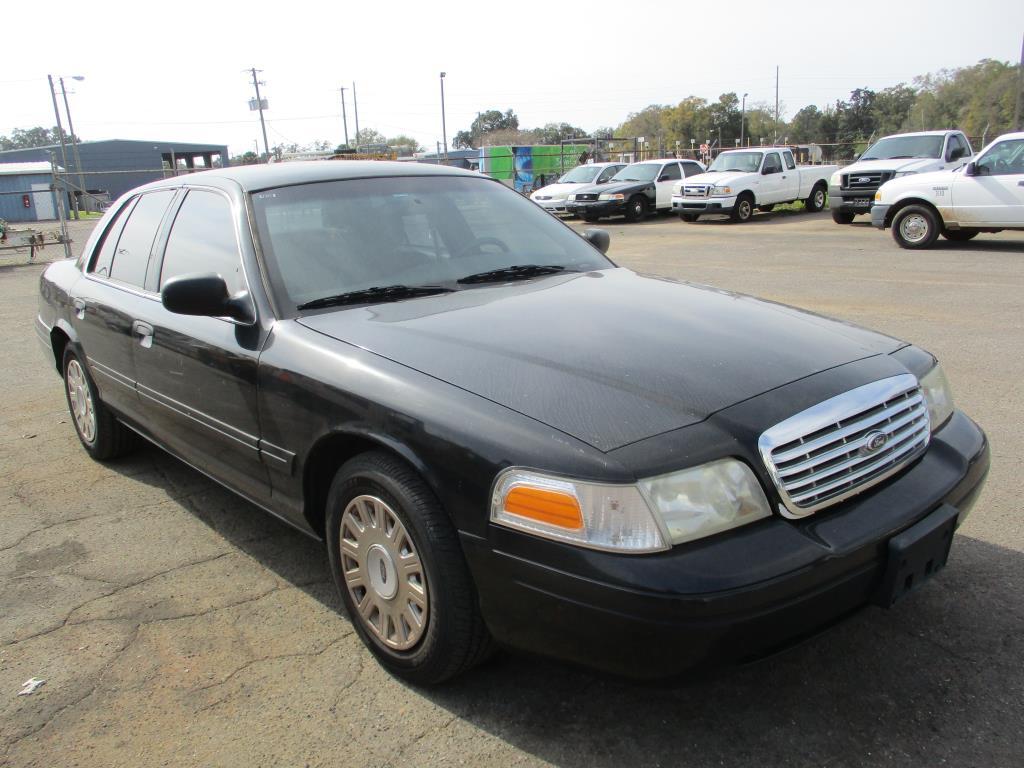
x=806 y=125
x=892 y=107
x=27 y=138
x=369 y=136
x=401 y=141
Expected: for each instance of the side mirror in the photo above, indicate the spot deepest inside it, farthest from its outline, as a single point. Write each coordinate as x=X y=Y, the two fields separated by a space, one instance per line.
x=971 y=169
x=601 y=181
x=206 y=296
x=598 y=238
x=663 y=177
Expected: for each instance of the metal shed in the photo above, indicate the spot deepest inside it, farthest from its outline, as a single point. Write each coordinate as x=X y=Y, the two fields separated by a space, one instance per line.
x=114 y=166
x=26 y=192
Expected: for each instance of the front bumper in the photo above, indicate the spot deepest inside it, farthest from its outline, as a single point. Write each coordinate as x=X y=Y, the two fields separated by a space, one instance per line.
x=879 y=212
x=597 y=208
x=727 y=598
x=854 y=201
x=553 y=206
x=703 y=205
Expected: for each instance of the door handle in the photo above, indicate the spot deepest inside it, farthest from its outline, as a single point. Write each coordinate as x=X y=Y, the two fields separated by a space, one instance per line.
x=79 y=305
x=144 y=333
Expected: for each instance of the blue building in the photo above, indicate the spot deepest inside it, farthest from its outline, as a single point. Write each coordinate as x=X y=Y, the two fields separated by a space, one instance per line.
x=114 y=166
x=26 y=192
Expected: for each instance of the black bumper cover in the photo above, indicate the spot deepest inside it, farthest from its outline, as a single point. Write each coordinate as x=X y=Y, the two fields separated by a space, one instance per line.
x=656 y=616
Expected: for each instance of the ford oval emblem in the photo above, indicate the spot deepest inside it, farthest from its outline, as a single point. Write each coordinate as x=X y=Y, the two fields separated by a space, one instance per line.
x=875 y=442
x=863 y=179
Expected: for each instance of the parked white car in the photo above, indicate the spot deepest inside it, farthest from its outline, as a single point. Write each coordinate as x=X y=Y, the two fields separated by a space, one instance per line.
x=634 y=192
x=552 y=197
x=986 y=195
x=741 y=180
x=851 y=190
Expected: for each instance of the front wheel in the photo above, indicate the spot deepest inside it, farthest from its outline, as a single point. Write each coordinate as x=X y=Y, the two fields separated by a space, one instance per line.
x=839 y=216
x=396 y=561
x=744 y=209
x=959 y=235
x=636 y=209
x=915 y=227
x=99 y=431
x=816 y=202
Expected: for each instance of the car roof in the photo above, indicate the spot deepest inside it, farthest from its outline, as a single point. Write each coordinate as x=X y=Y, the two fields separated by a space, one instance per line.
x=922 y=133
x=252 y=178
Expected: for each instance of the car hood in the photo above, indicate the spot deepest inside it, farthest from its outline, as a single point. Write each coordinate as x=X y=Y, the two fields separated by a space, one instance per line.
x=614 y=187
x=921 y=180
x=609 y=357
x=917 y=165
x=557 y=191
x=718 y=179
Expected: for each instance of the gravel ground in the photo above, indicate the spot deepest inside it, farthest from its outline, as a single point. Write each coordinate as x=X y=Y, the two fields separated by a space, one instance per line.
x=177 y=625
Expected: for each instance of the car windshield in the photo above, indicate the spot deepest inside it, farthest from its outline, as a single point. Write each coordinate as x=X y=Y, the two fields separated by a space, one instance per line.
x=581 y=174
x=748 y=162
x=898 y=147
x=638 y=172
x=332 y=238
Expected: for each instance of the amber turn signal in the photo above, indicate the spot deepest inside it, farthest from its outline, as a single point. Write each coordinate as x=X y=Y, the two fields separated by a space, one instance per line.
x=545 y=506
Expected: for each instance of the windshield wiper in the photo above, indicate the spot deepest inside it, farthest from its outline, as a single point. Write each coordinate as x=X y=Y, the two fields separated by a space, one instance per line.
x=377 y=293
x=900 y=157
x=515 y=272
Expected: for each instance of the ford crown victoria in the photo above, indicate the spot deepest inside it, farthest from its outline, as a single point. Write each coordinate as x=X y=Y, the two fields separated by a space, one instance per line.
x=501 y=437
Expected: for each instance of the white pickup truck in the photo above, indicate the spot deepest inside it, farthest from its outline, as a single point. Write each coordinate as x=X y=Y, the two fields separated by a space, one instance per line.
x=741 y=180
x=986 y=195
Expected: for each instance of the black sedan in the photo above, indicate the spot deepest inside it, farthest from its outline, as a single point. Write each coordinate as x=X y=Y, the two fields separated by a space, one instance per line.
x=501 y=437
x=637 y=190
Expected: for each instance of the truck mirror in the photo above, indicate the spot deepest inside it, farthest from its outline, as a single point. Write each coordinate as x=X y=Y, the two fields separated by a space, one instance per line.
x=971 y=169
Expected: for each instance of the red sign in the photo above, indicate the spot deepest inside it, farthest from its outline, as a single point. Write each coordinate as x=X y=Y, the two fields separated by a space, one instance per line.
x=26 y=202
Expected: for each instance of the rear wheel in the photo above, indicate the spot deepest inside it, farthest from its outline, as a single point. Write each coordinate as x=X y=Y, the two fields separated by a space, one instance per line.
x=744 y=208
x=689 y=217
x=915 y=227
x=636 y=209
x=839 y=216
x=396 y=561
x=99 y=431
x=959 y=235
x=816 y=202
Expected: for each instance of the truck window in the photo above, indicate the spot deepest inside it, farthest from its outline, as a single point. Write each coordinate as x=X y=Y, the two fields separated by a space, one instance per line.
x=772 y=163
x=671 y=171
x=788 y=156
x=692 y=169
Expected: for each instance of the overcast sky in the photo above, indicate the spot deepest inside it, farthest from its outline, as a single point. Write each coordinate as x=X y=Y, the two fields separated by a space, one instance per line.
x=175 y=72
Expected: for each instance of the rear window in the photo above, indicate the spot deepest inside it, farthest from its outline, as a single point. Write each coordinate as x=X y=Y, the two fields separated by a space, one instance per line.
x=105 y=253
x=133 y=247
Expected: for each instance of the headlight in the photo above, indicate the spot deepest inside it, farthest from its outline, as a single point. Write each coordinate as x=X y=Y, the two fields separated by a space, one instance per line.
x=899 y=174
x=708 y=499
x=648 y=517
x=610 y=196
x=836 y=180
x=938 y=396
x=611 y=517
x=572 y=197
x=721 y=191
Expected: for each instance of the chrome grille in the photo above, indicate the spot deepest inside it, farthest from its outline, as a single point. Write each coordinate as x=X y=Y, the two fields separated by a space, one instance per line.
x=867 y=181
x=846 y=444
x=696 y=190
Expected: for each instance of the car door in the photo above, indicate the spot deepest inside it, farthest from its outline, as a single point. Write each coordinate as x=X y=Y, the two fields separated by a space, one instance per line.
x=112 y=295
x=770 y=186
x=789 y=186
x=994 y=194
x=197 y=375
x=957 y=151
x=668 y=177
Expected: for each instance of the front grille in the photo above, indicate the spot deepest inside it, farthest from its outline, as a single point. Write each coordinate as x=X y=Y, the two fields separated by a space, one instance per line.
x=587 y=196
x=867 y=181
x=696 y=190
x=846 y=444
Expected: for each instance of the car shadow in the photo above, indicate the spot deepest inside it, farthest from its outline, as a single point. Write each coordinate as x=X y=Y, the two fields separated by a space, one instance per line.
x=935 y=680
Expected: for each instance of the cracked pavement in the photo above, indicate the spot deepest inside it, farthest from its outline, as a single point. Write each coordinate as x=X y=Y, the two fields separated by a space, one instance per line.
x=176 y=625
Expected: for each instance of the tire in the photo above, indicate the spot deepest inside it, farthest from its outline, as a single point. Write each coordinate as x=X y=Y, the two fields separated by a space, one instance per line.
x=744 y=209
x=438 y=631
x=689 y=217
x=839 y=216
x=99 y=431
x=915 y=227
x=766 y=208
x=636 y=208
x=816 y=202
x=959 y=235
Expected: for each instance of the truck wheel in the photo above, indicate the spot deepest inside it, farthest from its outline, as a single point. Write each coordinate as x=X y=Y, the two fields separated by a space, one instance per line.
x=689 y=217
x=766 y=208
x=959 y=235
x=744 y=208
x=816 y=201
x=636 y=209
x=915 y=227
x=839 y=216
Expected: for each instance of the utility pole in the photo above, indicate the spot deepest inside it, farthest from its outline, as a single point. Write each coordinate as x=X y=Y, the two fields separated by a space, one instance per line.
x=1020 y=87
x=775 y=138
x=74 y=142
x=743 y=117
x=444 y=130
x=259 y=105
x=60 y=206
x=355 y=107
x=63 y=146
x=344 y=119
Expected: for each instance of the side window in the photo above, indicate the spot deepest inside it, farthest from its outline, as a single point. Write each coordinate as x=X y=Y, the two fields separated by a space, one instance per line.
x=692 y=169
x=967 y=145
x=203 y=239
x=958 y=147
x=1006 y=157
x=671 y=171
x=772 y=163
x=788 y=156
x=132 y=255
x=607 y=173
x=105 y=253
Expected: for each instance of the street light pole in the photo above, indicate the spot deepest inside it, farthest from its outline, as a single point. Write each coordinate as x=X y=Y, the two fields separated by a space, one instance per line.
x=344 y=119
x=74 y=140
x=444 y=129
x=743 y=118
x=63 y=146
x=259 y=104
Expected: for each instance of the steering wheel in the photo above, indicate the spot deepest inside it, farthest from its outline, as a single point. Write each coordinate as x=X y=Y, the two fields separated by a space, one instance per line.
x=477 y=242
